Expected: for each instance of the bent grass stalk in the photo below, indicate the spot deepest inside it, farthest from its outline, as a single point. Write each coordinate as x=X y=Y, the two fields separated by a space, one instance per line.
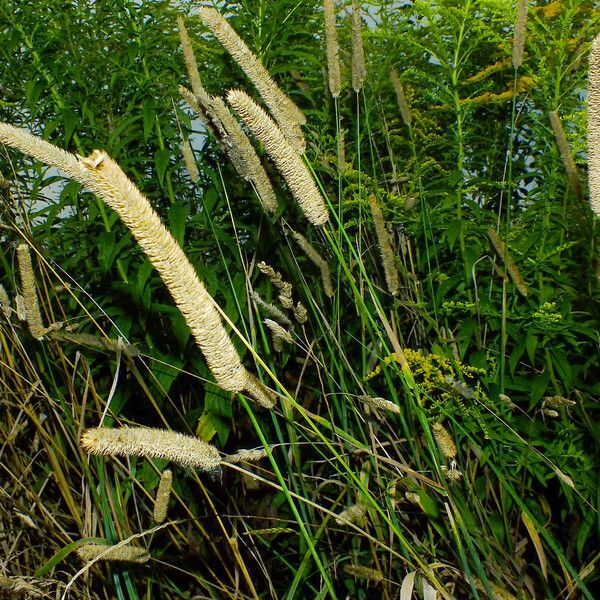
x=101 y=175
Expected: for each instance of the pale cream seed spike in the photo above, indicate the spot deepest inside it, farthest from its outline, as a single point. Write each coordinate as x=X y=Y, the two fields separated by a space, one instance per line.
x=271 y=310
x=520 y=29
x=358 y=52
x=511 y=267
x=5 y=302
x=400 y=97
x=163 y=494
x=282 y=108
x=317 y=260
x=151 y=443
x=566 y=155
x=287 y=160
x=202 y=107
x=385 y=248
x=300 y=313
x=247 y=456
x=381 y=403
x=20 y=308
x=32 y=307
x=594 y=126
x=41 y=150
x=190 y=161
x=174 y=268
x=118 y=553
x=444 y=440
x=353 y=514
x=286 y=301
x=278 y=331
x=190 y=59
x=244 y=157
x=332 y=48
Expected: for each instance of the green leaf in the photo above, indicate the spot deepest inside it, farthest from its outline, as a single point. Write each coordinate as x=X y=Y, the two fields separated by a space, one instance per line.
x=64 y=552
x=161 y=161
x=149 y=116
x=531 y=342
x=178 y=213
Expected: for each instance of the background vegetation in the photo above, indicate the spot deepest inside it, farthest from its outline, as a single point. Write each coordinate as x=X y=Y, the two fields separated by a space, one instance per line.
x=515 y=514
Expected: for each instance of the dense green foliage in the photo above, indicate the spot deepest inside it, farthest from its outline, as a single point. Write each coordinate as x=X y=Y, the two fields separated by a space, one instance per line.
x=486 y=359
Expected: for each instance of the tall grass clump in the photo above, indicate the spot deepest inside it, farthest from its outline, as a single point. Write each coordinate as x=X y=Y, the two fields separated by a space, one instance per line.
x=378 y=381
